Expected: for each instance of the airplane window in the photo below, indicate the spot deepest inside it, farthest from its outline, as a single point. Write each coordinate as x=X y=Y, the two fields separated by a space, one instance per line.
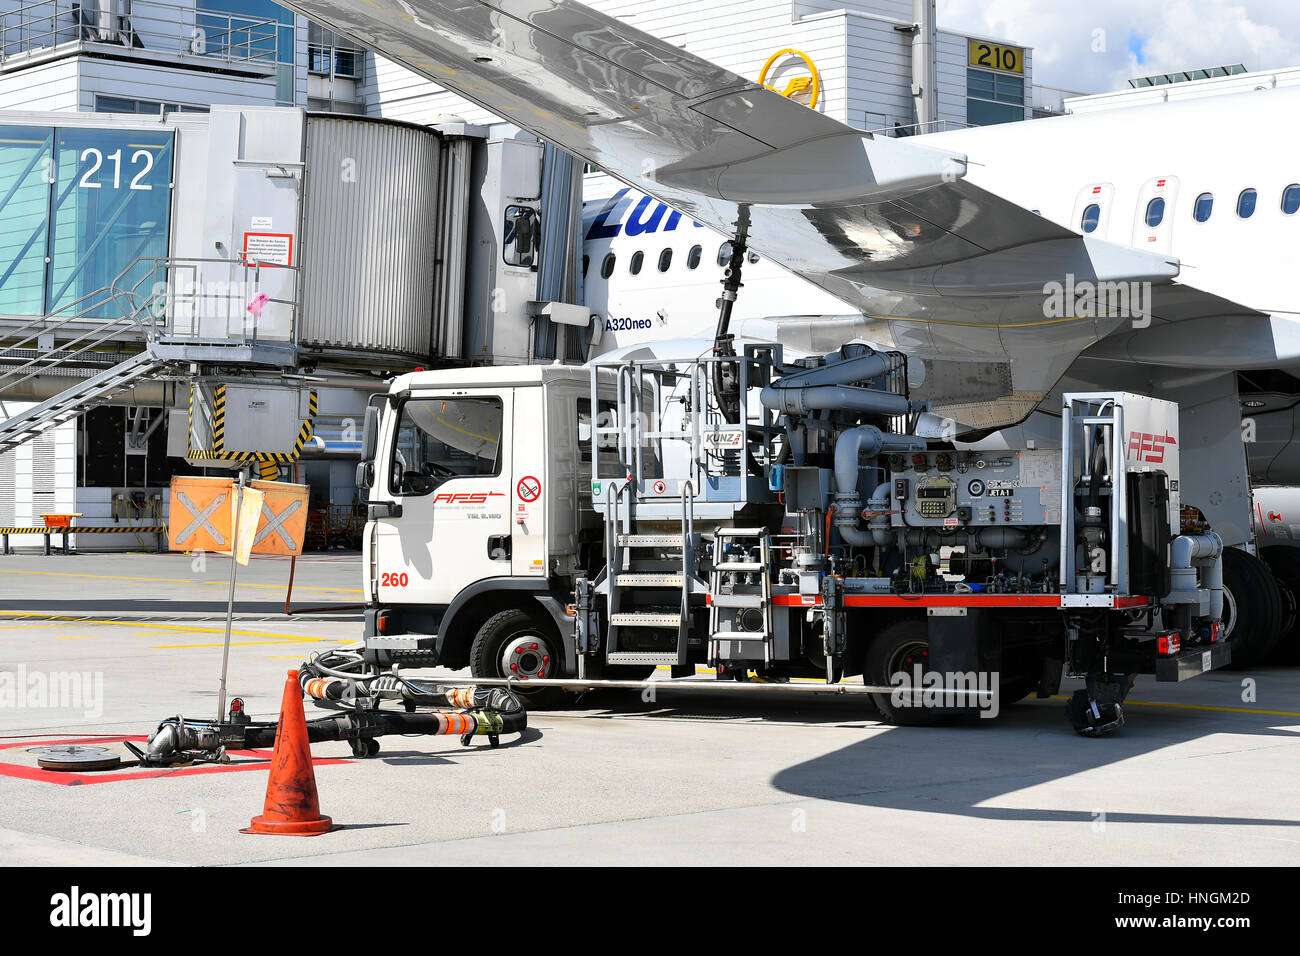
x=607 y=267
x=753 y=258
x=1204 y=206
x=634 y=266
x=1091 y=216
x=693 y=257
x=724 y=253
x=1291 y=199
x=665 y=260
x=1246 y=203
x=586 y=261
x=1155 y=212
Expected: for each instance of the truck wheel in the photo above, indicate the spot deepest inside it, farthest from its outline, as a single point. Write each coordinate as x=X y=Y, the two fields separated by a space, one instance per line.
x=899 y=648
x=1252 y=607
x=514 y=643
x=1284 y=561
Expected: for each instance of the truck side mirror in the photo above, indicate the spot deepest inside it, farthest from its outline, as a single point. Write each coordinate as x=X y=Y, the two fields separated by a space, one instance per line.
x=365 y=474
x=370 y=434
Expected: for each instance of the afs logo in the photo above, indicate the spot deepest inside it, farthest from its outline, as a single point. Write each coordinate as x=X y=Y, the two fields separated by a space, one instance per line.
x=467 y=497
x=1144 y=446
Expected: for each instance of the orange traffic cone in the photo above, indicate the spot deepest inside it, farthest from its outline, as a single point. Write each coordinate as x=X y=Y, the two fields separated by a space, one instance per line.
x=292 y=806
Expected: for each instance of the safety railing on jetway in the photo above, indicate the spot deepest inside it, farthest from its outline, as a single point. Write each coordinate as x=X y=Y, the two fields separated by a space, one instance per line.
x=225 y=301
x=178 y=301
x=75 y=334
x=146 y=25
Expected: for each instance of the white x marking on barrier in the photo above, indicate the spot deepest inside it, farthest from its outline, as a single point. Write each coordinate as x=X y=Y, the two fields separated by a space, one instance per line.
x=200 y=518
x=274 y=522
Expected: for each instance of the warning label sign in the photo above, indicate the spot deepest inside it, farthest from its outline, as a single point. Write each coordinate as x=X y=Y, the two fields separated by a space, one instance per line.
x=269 y=248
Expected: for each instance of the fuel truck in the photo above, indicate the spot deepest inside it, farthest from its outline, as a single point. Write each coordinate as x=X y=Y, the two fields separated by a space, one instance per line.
x=779 y=522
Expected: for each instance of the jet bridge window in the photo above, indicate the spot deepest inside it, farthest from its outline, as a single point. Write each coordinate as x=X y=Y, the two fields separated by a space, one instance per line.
x=1155 y=212
x=439 y=439
x=1204 y=206
x=523 y=237
x=1291 y=199
x=1091 y=216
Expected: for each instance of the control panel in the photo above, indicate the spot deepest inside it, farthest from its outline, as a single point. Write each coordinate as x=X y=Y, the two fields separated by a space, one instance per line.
x=957 y=489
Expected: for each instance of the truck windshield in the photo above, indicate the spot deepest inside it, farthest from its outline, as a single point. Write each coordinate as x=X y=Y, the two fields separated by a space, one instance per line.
x=443 y=438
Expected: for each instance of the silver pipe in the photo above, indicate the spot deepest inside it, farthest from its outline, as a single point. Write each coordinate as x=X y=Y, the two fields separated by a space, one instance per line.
x=688 y=684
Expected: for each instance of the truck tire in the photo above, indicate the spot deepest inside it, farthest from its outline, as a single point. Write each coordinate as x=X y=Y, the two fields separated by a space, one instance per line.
x=515 y=643
x=899 y=647
x=1252 y=607
x=1284 y=561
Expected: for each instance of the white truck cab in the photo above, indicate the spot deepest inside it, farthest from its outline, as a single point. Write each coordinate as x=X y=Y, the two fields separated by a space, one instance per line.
x=475 y=478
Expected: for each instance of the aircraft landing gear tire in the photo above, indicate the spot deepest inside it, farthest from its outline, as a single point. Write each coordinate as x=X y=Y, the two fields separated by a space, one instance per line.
x=1284 y=561
x=1252 y=607
x=514 y=643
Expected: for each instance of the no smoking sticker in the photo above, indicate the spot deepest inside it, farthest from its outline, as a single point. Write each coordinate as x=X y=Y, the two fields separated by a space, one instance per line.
x=660 y=487
x=528 y=489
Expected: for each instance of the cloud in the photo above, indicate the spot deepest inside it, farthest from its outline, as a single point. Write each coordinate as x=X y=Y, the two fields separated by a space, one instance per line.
x=1097 y=46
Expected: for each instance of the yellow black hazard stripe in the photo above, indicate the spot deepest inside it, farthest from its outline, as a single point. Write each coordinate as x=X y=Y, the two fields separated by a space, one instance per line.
x=78 y=529
x=267 y=462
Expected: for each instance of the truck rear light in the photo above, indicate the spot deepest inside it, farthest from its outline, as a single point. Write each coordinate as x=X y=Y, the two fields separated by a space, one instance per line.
x=381 y=624
x=1168 y=644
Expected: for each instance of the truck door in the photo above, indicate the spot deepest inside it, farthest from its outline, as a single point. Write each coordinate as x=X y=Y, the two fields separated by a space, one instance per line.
x=451 y=474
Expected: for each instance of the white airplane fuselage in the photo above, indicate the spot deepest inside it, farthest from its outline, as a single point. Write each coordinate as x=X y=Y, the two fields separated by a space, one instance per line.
x=1120 y=160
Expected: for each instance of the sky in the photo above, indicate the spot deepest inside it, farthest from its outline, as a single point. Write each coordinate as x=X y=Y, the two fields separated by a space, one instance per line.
x=1097 y=45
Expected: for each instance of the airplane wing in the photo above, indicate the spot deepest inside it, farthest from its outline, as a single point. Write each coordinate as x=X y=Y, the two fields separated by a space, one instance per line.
x=940 y=268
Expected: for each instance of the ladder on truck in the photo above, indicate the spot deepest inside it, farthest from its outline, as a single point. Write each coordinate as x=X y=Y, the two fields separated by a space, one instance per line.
x=759 y=641
x=649 y=582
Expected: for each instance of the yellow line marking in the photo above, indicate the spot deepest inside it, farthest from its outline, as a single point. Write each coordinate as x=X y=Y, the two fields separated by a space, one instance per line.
x=25 y=627
x=168 y=627
x=106 y=577
x=290 y=640
x=195 y=581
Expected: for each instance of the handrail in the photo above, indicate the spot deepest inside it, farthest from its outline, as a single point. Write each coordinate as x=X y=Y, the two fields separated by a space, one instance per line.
x=150 y=25
x=150 y=313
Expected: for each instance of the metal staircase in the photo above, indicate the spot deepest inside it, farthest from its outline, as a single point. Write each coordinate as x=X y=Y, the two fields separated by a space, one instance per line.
x=168 y=310
x=650 y=584
x=84 y=395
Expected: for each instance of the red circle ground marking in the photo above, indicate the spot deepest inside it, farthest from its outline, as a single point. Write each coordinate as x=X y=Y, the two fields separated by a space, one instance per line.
x=528 y=488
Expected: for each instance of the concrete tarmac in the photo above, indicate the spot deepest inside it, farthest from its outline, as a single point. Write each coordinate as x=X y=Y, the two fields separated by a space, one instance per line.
x=1205 y=772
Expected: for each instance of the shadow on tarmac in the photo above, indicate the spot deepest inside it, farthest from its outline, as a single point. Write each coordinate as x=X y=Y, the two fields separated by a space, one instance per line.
x=958 y=766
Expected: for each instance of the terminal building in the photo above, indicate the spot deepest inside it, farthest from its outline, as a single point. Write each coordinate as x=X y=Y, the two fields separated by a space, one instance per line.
x=223 y=226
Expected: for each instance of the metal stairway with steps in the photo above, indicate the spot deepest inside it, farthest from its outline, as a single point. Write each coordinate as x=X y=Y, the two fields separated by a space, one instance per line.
x=149 y=319
x=81 y=397
x=650 y=584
